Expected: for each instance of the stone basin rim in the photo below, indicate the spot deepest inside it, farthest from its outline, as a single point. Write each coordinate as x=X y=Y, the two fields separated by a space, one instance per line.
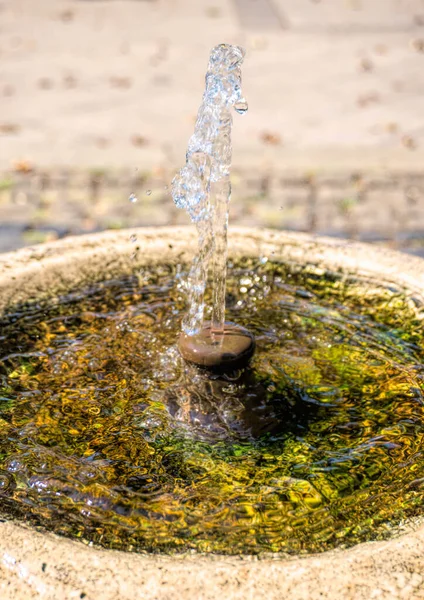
x=389 y=569
x=46 y=270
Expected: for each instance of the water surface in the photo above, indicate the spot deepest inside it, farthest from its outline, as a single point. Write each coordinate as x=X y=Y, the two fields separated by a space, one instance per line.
x=108 y=436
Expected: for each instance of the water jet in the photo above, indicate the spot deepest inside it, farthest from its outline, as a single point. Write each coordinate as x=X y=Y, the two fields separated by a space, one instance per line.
x=203 y=188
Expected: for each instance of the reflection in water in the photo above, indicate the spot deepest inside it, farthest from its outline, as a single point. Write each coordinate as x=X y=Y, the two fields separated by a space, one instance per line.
x=107 y=434
x=239 y=406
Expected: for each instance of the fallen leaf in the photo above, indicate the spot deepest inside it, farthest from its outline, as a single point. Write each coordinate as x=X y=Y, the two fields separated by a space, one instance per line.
x=70 y=81
x=409 y=142
x=365 y=100
x=417 y=45
x=213 y=12
x=66 y=16
x=392 y=127
x=139 y=140
x=45 y=83
x=366 y=65
x=273 y=139
x=120 y=82
x=9 y=128
x=23 y=166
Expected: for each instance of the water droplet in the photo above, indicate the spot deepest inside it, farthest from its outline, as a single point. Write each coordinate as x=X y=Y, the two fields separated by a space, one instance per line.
x=148 y=192
x=241 y=107
x=133 y=198
x=133 y=238
x=165 y=187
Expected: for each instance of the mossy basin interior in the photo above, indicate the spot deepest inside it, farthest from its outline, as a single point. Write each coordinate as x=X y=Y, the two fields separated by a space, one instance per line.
x=107 y=435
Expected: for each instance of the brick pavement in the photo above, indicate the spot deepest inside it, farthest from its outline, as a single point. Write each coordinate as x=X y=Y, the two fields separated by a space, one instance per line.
x=388 y=207
x=335 y=89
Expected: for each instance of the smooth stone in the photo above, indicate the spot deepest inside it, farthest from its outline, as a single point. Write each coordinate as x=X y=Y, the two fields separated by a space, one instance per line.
x=232 y=350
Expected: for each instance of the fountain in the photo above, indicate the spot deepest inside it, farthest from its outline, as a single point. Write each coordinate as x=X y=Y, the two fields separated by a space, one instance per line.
x=110 y=436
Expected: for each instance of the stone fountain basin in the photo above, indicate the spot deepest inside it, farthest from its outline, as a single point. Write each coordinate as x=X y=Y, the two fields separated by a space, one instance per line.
x=36 y=564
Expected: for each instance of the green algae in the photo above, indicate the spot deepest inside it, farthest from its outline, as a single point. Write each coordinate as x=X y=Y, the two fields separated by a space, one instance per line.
x=107 y=436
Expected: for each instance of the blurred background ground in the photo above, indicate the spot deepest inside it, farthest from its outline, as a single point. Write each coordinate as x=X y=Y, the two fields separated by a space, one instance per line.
x=98 y=99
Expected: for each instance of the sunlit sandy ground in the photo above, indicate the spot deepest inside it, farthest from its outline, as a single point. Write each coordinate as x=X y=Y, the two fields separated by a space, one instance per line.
x=118 y=82
x=335 y=87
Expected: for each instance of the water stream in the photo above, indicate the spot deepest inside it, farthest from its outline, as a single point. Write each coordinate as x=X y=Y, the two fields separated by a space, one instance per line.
x=203 y=186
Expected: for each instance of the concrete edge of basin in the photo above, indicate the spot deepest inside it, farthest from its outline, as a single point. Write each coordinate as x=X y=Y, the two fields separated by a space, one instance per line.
x=39 y=565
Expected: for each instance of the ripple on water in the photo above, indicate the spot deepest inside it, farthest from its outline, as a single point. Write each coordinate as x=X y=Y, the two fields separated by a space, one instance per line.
x=108 y=436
